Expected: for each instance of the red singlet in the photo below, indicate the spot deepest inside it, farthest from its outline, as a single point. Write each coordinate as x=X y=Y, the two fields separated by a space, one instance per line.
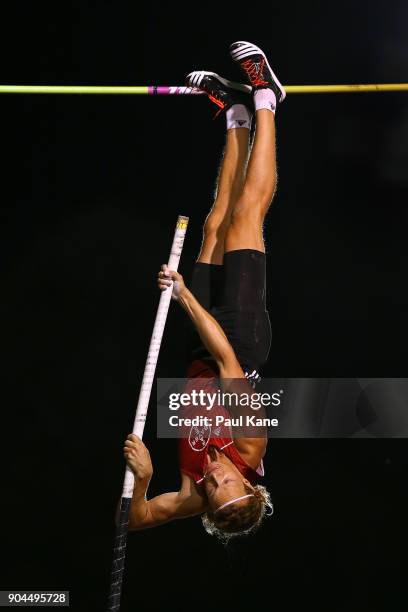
x=193 y=447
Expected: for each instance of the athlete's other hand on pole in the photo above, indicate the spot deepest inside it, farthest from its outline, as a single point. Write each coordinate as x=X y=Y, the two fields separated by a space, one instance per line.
x=138 y=457
x=167 y=278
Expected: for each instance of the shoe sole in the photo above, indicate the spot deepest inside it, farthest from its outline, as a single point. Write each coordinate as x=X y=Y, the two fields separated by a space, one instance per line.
x=199 y=74
x=250 y=49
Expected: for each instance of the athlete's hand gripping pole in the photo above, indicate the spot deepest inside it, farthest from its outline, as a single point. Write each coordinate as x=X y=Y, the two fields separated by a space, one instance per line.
x=119 y=551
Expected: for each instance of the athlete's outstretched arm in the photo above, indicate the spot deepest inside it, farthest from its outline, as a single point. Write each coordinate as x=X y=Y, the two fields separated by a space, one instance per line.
x=231 y=374
x=145 y=513
x=209 y=330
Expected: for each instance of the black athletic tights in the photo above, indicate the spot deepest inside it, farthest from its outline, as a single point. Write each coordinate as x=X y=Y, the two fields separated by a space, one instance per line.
x=234 y=293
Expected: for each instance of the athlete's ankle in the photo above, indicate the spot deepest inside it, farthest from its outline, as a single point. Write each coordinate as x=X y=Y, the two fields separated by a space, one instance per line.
x=238 y=116
x=265 y=98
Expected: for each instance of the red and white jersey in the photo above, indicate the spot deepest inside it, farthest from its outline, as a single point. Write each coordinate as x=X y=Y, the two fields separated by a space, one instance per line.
x=194 y=445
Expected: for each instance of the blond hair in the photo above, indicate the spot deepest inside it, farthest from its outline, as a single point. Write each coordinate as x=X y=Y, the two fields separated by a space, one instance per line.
x=237 y=520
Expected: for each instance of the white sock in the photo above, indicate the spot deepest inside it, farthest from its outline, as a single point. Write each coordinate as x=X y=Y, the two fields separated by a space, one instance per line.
x=238 y=116
x=265 y=98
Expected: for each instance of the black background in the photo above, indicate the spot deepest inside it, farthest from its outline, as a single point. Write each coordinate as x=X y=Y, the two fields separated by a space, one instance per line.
x=91 y=190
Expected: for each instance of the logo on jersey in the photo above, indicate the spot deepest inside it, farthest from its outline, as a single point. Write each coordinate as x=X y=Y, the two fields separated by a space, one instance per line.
x=199 y=437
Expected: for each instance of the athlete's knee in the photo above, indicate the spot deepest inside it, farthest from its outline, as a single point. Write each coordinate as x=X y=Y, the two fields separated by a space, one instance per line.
x=260 y=196
x=215 y=224
x=252 y=206
x=246 y=212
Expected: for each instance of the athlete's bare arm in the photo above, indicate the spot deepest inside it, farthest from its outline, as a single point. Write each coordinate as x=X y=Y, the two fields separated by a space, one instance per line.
x=213 y=337
x=209 y=330
x=163 y=508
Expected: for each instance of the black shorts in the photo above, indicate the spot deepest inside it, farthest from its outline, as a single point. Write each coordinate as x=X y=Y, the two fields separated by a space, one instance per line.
x=234 y=293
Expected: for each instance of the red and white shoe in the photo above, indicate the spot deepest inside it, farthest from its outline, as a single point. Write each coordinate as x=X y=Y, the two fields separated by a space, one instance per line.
x=220 y=91
x=252 y=61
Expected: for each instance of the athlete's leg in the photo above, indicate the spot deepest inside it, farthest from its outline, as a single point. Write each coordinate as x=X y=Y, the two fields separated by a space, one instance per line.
x=229 y=187
x=245 y=230
x=238 y=110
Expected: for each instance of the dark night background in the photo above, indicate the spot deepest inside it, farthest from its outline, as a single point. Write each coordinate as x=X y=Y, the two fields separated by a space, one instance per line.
x=91 y=188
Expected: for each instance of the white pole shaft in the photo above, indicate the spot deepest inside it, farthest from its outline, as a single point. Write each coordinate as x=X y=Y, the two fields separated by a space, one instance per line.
x=154 y=348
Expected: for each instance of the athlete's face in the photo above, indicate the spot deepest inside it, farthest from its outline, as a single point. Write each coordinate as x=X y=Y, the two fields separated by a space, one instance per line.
x=223 y=481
